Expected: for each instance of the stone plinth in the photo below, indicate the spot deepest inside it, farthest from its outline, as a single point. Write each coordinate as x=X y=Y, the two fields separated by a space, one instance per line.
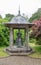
x=18 y=50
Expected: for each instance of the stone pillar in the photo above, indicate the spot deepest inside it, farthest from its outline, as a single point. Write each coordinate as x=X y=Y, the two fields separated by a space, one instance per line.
x=27 y=38
x=11 y=37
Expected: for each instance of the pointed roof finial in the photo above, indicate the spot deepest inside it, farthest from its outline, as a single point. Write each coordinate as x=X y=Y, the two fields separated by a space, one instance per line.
x=19 y=10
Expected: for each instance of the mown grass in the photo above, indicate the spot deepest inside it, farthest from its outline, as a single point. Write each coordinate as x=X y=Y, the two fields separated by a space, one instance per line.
x=37 y=49
x=35 y=55
x=2 y=52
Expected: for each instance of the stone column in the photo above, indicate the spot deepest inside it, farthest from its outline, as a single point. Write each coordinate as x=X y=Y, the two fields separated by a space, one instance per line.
x=27 y=38
x=11 y=37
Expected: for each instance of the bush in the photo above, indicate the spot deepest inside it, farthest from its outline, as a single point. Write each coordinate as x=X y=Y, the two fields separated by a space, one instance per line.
x=32 y=40
x=4 y=36
x=38 y=41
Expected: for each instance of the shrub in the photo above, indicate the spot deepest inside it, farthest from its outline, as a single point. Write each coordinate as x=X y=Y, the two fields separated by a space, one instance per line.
x=38 y=41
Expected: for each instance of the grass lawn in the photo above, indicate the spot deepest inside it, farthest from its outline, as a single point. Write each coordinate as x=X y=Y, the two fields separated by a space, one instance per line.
x=37 y=49
x=2 y=53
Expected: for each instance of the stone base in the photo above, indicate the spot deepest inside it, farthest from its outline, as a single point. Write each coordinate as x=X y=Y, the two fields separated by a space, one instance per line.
x=14 y=50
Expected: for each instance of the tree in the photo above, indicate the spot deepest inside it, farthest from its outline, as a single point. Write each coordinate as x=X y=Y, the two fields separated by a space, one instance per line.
x=4 y=31
x=0 y=16
x=4 y=35
x=36 y=30
x=36 y=15
x=37 y=27
x=9 y=17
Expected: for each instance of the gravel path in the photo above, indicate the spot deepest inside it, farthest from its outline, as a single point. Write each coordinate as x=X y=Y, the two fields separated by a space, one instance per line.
x=19 y=60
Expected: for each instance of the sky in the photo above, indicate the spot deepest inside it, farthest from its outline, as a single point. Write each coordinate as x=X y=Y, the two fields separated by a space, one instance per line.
x=28 y=7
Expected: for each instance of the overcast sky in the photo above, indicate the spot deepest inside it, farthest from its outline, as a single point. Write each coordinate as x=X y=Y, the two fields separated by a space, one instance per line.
x=27 y=7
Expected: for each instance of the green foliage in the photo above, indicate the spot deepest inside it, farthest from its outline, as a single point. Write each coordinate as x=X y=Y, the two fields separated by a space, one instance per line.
x=4 y=31
x=36 y=15
x=2 y=53
x=37 y=51
x=4 y=36
x=37 y=48
x=0 y=16
x=38 y=40
x=9 y=17
x=3 y=20
x=32 y=40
